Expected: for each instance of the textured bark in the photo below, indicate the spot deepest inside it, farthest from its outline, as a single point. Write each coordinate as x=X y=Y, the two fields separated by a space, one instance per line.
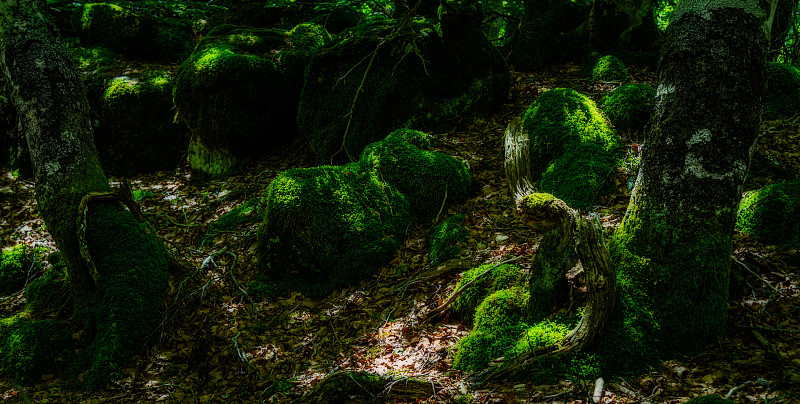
x=674 y=244
x=517 y=160
x=120 y=304
x=622 y=24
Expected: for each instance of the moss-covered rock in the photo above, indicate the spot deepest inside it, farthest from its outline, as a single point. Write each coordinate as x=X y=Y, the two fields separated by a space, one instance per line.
x=331 y=223
x=377 y=79
x=573 y=150
x=137 y=132
x=606 y=68
x=629 y=107
x=49 y=292
x=238 y=93
x=772 y=214
x=17 y=264
x=783 y=91
x=499 y=323
x=445 y=240
x=501 y=277
x=340 y=223
x=430 y=180
x=30 y=348
x=134 y=35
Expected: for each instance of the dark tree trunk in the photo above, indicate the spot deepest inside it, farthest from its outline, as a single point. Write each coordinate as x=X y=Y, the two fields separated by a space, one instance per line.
x=785 y=17
x=117 y=266
x=674 y=245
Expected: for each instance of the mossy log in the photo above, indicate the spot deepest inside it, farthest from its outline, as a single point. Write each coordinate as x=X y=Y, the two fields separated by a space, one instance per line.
x=344 y=387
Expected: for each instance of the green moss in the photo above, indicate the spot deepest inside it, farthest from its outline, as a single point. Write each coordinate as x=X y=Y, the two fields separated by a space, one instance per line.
x=336 y=224
x=429 y=180
x=445 y=240
x=629 y=107
x=31 y=348
x=499 y=322
x=568 y=133
x=248 y=212
x=238 y=93
x=137 y=132
x=783 y=91
x=540 y=335
x=772 y=214
x=501 y=277
x=129 y=308
x=606 y=68
x=17 y=264
x=92 y=58
x=50 y=291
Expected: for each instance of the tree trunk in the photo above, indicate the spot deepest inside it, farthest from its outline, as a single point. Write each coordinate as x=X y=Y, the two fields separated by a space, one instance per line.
x=117 y=266
x=622 y=24
x=673 y=247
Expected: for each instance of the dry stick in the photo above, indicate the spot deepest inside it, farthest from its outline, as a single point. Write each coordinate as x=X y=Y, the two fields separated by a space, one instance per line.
x=743 y=265
x=455 y=294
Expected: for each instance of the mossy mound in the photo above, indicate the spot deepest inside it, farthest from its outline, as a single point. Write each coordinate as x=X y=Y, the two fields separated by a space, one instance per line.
x=133 y=35
x=424 y=77
x=49 y=292
x=501 y=277
x=499 y=322
x=124 y=306
x=543 y=334
x=430 y=180
x=238 y=93
x=568 y=133
x=137 y=132
x=445 y=240
x=605 y=68
x=332 y=224
x=340 y=223
x=772 y=214
x=783 y=91
x=17 y=264
x=30 y=348
x=629 y=107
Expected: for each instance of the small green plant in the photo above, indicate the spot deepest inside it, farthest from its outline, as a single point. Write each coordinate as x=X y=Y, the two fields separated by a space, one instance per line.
x=445 y=239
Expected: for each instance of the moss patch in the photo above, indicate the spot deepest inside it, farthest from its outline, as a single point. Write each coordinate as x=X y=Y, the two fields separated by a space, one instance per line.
x=50 y=291
x=501 y=277
x=606 y=68
x=17 y=264
x=137 y=132
x=445 y=240
x=629 y=107
x=783 y=91
x=772 y=214
x=573 y=150
x=30 y=348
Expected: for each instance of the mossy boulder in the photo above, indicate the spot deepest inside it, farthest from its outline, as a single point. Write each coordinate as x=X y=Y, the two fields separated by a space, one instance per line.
x=238 y=93
x=331 y=223
x=605 y=68
x=137 y=132
x=446 y=240
x=49 y=292
x=629 y=107
x=30 y=348
x=426 y=76
x=429 y=180
x=783 y=91
x=498 y=278
x=134 y=35
x=573 y=150
x=340 y=223
x=499 y=323
x=17 y=264
x=772 y=214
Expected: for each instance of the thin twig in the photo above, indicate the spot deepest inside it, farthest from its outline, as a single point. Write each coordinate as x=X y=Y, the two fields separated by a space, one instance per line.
x=743 y=265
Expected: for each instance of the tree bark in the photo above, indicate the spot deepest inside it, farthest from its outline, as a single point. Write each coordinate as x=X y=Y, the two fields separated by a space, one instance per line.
x=674 y=244
x=121 y=305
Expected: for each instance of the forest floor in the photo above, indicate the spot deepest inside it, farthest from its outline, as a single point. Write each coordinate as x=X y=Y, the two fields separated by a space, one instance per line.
x=228 y=345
